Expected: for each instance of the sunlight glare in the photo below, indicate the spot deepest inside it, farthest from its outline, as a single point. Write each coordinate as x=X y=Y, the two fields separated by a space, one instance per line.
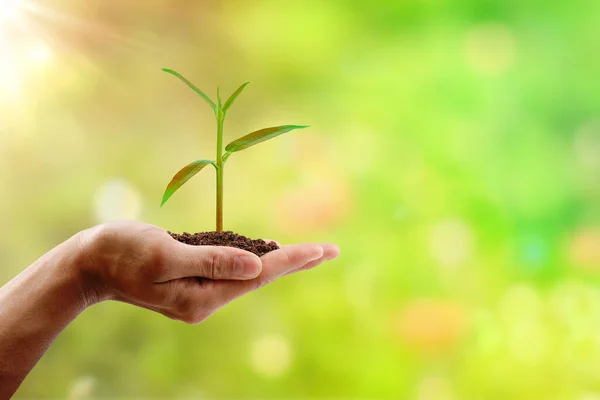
x=40 y=53
x=9 y=9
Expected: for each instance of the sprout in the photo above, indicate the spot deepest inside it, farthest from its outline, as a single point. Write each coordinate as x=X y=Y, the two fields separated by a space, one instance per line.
x=249 y=140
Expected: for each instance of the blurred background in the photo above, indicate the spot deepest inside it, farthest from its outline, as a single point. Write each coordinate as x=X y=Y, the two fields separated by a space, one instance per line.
x=453 y=154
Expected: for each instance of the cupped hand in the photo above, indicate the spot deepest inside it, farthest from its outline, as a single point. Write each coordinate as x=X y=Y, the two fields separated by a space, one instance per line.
x=142 y=265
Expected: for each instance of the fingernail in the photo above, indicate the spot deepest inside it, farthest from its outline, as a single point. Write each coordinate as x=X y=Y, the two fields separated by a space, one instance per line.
x=246 y=266
x=318 y=254
x=333 y=256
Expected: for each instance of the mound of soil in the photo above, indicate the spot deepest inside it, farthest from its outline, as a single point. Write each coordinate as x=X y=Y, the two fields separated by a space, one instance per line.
x=225 y=238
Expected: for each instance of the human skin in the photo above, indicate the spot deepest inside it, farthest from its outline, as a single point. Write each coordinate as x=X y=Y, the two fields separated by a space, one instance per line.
x=136 y=263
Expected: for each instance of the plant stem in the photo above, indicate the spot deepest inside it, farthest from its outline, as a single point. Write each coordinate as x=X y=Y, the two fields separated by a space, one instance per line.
x=220 y=168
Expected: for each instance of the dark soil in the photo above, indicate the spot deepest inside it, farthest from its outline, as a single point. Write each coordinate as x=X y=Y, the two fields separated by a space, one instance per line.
x=226 y=238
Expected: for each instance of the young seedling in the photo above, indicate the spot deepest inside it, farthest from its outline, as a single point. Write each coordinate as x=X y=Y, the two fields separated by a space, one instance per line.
x=242 y=143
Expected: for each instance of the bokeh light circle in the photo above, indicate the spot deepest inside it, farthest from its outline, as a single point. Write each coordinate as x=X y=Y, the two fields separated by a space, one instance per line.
x=271 y=356
x=116 y=200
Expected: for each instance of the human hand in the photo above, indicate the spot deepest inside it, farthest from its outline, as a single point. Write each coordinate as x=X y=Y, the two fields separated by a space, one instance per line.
x=142 y=265
x=135 y=263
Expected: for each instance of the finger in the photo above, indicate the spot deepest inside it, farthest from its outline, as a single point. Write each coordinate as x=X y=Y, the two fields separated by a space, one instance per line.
x=330 y=252
x=193 y=302
x=288 y=258
x=275 y=264
x=212 y=262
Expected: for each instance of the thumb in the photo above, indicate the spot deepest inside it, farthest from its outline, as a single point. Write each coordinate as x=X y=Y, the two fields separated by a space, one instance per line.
x=213 y=262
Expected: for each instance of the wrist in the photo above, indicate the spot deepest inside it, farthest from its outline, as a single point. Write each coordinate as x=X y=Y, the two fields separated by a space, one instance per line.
x=65 y=270
x=86 y=265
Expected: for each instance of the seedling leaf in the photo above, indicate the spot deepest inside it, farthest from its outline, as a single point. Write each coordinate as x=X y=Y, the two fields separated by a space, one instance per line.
x=219 y=97
x=260 y=136
x=193 y=87
x=234 y=96
x=183 y=176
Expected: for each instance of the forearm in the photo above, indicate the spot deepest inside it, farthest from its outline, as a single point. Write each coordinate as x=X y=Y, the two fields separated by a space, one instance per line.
x=34 y=308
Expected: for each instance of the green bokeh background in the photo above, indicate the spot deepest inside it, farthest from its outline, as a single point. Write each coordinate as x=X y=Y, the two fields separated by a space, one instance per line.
x=453 y=154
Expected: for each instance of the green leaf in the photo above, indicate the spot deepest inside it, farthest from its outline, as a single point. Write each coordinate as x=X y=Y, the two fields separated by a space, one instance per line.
x=183 y=176
x=193 y=87
x=234 y=96
x=260 y=136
